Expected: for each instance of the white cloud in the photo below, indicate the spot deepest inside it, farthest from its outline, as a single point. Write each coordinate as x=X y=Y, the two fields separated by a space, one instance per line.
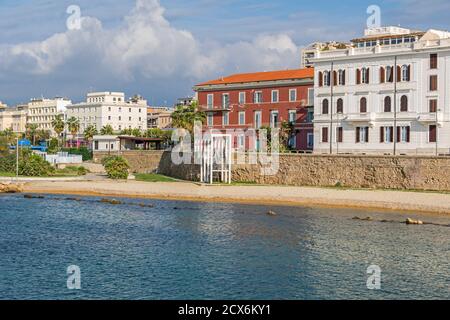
x=145 y=46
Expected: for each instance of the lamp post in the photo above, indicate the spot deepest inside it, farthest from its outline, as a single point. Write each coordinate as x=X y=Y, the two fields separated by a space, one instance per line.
x=395 y=106
x=17 y=159
x=331 y=79
x=437 y=132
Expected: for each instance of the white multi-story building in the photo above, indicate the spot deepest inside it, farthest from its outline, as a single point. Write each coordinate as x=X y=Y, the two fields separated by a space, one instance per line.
x=42 y=112
x=387 y=94
x=110 y=108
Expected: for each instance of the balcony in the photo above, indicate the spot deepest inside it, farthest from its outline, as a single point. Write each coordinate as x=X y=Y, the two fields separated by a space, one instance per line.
x=431 y=118
x=214 y=109
x=360 y=118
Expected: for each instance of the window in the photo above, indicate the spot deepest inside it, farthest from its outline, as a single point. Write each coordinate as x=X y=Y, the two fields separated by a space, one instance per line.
x=310 y=116
x=325 y=104
x=275 y=94
x=210 y=101
x=129 y=110
x=433 y=105
x=362 y=134
x=292 y=116
x=112 y=146
x=96 y=145
x=403 y=134
x=292 y=95
x=310 y=96
x=326 y=78
x=432 y=133
x=341 y=77
x=389 y=74
x=404 y=104
x=226 y=118
x=210 y=120
x=340 y=106
x=362 y=76
x=274 y=119
x=310 y=140
x=406 y=73
x=120 y=118
x=109 y=117
x=241 y=97
x=225 y=101
x=258 y=119
x=387 y=104
x=433 y=61
x=433 y=83
x=320 y=77
x=324 y=134
x=386 y=134
x=258 y=97
x=242 y=118
x=363 y=105
x=339 y=134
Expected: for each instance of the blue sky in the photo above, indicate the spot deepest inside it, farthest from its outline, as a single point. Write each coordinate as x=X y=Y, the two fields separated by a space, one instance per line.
x=164 y=47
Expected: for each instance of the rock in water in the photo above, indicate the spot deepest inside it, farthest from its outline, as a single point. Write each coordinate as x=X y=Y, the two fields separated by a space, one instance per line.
x=10 y=188
x=415 y=222
x=271 y=213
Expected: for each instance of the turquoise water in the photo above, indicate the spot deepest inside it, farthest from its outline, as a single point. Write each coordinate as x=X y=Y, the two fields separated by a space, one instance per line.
x=184 y=250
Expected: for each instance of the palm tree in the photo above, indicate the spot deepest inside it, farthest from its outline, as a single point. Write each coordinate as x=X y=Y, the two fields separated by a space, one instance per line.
x=32 y=129
x=107 y=130
x=73 y=124
x=58 y=125
x=184 y=117
x=90 y=132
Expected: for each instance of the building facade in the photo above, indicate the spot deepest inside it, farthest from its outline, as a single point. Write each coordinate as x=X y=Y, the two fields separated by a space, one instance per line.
x=264 y=99
x=159 y=118
x=110 y=108
x=387 y=94
x=41 y=112
x=14 y=119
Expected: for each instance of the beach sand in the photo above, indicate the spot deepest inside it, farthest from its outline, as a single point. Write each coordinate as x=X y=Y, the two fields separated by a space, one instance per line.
x=423 y=202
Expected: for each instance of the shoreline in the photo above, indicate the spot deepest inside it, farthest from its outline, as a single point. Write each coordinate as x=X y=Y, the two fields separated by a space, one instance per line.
x=368 y=200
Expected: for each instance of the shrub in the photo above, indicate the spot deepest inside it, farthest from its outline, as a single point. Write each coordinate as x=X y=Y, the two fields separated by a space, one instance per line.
x=53 y=146
x=116 y=167
x=82 y=171
x=8 y=163
x=35 y=166
x=83 y=151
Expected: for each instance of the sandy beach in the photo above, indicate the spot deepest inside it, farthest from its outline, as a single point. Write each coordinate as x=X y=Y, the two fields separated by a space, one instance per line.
x=276 y=195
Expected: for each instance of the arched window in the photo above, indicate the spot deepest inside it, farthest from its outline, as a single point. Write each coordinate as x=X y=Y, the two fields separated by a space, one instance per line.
x=325 y=106
x=387 y=104
x=320 y=76
x=404 y=104
x=363 y=105
x=406 y=72
x=340 y=106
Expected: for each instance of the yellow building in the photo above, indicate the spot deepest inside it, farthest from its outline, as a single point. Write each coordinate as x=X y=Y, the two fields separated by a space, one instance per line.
x=13 y=118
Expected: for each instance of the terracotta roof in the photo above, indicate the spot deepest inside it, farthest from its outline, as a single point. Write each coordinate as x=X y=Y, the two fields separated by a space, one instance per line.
x=262 y=76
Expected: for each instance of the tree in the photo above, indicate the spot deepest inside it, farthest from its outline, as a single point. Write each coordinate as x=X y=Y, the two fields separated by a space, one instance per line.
x=184 y=117
x=136 y=132
x=58 y=125
x=31 y=133
x=90 y=132
x=73 y=124
x=107 y=130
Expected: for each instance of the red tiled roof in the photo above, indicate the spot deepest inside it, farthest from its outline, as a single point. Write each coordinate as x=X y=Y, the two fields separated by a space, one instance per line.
x=262 y=76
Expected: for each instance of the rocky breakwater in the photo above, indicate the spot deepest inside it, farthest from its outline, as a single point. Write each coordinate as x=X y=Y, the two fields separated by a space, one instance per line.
x=7 y=187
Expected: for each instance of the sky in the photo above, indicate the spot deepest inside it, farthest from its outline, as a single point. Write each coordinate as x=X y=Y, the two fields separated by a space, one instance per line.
x=162 y=48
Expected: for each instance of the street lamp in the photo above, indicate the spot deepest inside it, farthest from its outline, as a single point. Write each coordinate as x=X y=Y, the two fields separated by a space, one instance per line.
x=437 y=135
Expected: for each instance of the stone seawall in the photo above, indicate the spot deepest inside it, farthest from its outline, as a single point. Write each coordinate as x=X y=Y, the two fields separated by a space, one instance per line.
x=381 y=172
